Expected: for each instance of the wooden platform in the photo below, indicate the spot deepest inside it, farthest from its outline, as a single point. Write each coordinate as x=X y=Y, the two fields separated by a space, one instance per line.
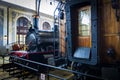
x=63 y=74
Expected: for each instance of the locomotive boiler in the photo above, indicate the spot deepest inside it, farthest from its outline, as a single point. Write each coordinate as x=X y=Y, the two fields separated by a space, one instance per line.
x=41 y=41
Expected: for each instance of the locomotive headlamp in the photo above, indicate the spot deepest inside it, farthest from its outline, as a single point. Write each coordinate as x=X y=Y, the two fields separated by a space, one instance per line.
x=116 y=6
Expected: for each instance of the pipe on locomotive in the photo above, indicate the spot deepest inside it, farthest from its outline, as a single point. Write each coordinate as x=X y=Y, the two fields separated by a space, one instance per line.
x=36 y=17
x=37 y=6
x=35 y=22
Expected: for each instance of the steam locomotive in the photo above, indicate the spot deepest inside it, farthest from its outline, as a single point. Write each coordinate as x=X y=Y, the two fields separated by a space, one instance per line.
x=41 y=45
x=93 y=49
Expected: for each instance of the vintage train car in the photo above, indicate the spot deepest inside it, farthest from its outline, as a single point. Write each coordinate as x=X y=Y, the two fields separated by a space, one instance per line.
x=93 y=36
x=93 y=25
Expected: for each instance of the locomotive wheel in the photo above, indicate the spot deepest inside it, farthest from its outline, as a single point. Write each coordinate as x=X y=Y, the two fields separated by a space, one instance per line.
x=77 y=67
x=86 y=70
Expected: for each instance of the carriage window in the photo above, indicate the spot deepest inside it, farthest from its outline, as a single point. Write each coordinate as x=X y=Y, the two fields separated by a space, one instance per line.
x=84 y=21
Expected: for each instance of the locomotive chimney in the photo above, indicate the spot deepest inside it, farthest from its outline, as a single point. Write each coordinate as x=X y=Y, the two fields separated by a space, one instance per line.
x=35 y=21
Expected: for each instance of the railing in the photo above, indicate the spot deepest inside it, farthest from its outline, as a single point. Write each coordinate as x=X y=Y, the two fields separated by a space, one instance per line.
x=24 y=64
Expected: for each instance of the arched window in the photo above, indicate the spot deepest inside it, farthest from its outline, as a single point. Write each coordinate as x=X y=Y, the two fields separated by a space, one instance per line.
x=46 y=26
x=22 y=29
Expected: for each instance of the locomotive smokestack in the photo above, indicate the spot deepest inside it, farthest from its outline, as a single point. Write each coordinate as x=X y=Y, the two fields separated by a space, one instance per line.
x=35 y=21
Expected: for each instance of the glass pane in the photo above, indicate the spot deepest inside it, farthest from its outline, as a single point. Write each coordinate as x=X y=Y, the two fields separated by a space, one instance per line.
x=22 y=39
x=84 y=20
x=25 y=22
x=21 y=22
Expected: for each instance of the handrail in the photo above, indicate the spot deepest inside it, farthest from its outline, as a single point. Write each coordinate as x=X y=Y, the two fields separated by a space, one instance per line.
x=54 y=67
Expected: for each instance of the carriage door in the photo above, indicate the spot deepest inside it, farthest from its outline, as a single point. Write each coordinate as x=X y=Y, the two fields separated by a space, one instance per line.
x=22 y=29
x=82 y=31
x=81 y=27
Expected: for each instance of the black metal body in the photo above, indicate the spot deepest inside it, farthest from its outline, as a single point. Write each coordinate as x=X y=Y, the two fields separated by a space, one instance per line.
x=70 y=22
x=40 y=41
